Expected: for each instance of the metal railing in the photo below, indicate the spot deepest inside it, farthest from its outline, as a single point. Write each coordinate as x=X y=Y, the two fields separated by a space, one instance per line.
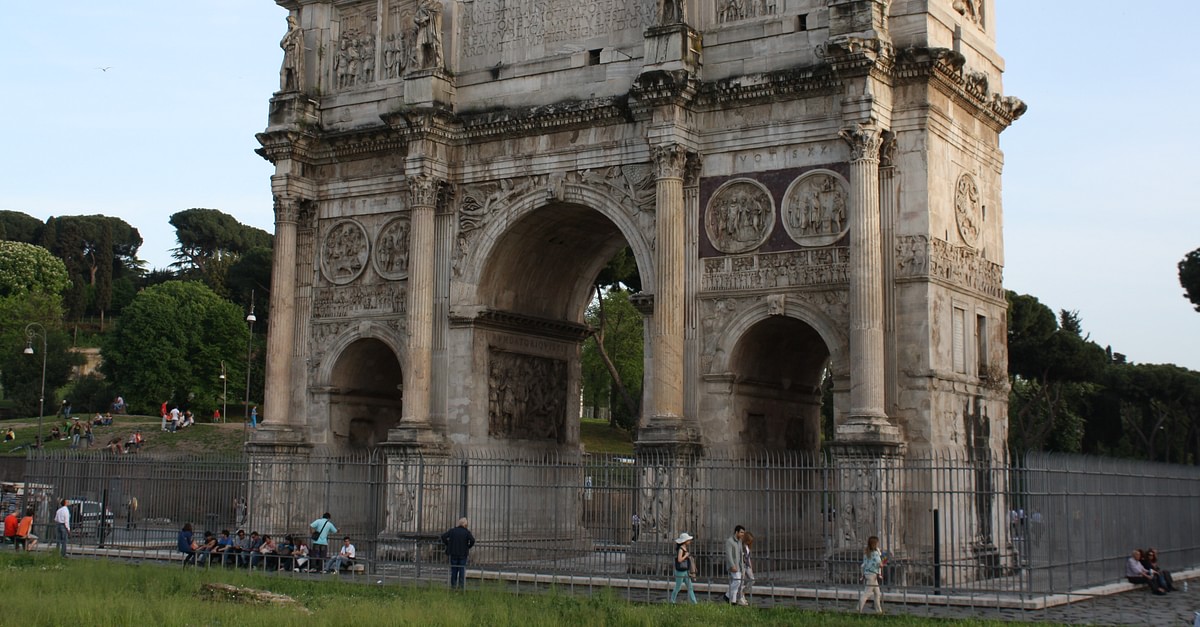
x=1045 y=524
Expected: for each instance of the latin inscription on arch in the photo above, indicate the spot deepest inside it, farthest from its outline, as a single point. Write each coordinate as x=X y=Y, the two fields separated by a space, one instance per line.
x=532 y=28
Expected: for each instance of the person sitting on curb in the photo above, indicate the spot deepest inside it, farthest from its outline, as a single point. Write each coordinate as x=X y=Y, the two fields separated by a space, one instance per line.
x=1136 y=573
x=344 y=559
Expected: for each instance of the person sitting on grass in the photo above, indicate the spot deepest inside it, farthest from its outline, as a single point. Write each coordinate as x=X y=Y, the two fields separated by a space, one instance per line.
x=55 y=434
x=1136 y=573
x=344 y=559
x=134 y=444
x=10 y=435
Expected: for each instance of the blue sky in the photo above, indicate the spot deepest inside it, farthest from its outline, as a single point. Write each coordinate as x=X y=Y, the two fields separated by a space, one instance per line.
x=1097 y=206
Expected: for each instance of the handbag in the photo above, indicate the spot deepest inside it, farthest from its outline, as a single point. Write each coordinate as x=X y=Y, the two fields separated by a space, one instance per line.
x=316 y=534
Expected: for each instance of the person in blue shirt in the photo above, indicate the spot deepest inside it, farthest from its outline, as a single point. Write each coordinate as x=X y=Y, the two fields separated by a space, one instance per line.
x=187 y=545
x=321 y=528
x=872 y=572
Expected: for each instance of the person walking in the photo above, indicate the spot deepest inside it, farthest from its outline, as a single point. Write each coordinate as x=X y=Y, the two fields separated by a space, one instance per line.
x=684 y=567
x=872 y=573
x=321 y=528
x=62 y=521
x=747 y=569
x=636 y=523
x=458 y=541
x=733 y=563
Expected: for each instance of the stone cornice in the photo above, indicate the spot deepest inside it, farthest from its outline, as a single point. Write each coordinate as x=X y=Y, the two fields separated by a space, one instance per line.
x=562 y=116
x=777 y=85
x=286 y=145
x=944 y=70
x=435 y=123
x=657 y=88
x=524 y=324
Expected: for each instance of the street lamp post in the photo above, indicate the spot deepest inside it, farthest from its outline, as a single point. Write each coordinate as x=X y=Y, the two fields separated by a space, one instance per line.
x=250 y=319
x=30 y=335
x=224 y=393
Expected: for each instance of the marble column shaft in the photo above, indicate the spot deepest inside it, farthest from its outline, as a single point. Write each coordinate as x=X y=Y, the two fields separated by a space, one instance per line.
x=277 y=405
x=670 y=265
x=423 y=193
x=866 y=278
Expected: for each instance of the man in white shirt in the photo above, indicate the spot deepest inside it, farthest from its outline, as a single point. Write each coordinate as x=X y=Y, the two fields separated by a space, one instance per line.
x=175 y=418
x=62 y=520
x=344 y=559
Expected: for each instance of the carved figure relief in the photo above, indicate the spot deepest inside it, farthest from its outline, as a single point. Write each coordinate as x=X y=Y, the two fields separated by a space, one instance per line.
x=734 y=10
x=354 y=63
x=527 y=396
x=427 y=35
x=391 y=250
x=291 y=74
x=972 y=10
x=344 y=252
x=740 y=216
x=482 y=202
x=967 y=211
x=814 y=209
x=671 y=12
x=919 y=256
x=818 y=266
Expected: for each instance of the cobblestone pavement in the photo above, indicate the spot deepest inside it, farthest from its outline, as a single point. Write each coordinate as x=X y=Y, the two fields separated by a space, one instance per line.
x=1128 y=608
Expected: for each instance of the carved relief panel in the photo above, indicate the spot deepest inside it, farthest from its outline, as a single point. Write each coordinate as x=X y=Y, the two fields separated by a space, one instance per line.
x=344 y=252
x=527 y=396
x=391 y=250
x=814 y=208
x=740 y=216
x=735 y=10
x=353 y=53
x=967 y=210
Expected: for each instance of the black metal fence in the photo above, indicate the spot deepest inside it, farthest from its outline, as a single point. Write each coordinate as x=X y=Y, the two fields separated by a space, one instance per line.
x=1046 y=524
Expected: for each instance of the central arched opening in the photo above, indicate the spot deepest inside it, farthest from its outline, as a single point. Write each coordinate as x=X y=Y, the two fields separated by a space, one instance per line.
x=366 y=396
x=779 y=366
x=537 y=285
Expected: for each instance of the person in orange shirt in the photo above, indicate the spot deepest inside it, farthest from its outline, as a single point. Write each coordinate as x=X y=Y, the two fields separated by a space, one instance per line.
x=25 y=537
x=10 y=526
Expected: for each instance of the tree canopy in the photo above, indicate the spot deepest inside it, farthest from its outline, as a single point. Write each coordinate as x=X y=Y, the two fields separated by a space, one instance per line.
x=210 y=243
x=28 y=268
x=169 y=344
x=1189 y=277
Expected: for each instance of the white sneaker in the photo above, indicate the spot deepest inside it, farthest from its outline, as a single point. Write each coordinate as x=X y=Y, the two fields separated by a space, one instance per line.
x=742 y=602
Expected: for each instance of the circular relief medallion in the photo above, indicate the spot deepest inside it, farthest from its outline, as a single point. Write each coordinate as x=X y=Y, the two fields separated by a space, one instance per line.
x=966 y=210
x=344 y=252
x=391 y=250
x=814 y=208
x=740 y=216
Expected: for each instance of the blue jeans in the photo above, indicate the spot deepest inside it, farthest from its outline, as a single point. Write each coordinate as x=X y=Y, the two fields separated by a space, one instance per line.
x=458 y=572
x=62 y=538
x=682 y=577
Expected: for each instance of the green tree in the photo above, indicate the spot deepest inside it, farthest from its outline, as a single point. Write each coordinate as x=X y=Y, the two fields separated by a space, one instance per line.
x=1054 y=373
x=19 y=227
x=98 y=251
x=613 y=357
x=26 y=268
x=169 y=343
x=1189 y=277
x=210 y=242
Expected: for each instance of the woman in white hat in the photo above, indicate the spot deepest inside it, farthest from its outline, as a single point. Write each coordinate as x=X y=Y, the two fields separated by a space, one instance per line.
x=684 y=567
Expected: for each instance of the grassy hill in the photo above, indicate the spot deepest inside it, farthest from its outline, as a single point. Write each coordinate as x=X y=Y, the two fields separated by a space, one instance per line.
x=227 y=438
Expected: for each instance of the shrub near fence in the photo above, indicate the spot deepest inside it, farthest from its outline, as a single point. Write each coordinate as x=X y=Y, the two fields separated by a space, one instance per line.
x=1046 y=524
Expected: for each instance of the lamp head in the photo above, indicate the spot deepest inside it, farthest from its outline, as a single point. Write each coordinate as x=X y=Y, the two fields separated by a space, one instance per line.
x=28 y=348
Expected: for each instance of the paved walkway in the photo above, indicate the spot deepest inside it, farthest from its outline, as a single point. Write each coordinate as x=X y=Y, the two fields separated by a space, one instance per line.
x=1128 y=608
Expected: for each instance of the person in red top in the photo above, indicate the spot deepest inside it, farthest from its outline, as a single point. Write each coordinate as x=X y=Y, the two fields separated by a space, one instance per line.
x=10 y=526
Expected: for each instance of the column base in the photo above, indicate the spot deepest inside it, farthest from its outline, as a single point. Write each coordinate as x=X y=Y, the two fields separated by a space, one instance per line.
x=416 y=434
x=668 y=434
x=271 y=438
x=869 y=430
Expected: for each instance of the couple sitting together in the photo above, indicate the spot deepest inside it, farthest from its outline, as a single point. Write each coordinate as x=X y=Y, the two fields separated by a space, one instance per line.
x=1142 y=568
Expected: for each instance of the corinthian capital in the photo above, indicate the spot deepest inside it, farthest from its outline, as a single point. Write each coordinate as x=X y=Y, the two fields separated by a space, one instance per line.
x=864 y=142
x=423 y=190
x=287 y=209
x=670 y=161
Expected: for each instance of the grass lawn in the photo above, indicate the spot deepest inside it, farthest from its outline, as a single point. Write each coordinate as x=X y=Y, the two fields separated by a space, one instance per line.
x=41 y=589
x=598 y=437
x=200 y=438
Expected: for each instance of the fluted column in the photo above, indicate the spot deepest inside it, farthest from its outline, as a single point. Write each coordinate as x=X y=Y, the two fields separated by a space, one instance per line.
x=277 y=404
x=667 y=336
x=423 y=194
x=867 y=419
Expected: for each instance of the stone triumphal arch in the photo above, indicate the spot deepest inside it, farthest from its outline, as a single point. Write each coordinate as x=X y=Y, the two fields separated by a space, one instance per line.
x=807 y=186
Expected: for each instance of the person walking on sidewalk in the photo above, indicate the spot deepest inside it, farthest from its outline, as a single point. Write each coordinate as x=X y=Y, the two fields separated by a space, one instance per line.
x=872 y=574
x=733 y=563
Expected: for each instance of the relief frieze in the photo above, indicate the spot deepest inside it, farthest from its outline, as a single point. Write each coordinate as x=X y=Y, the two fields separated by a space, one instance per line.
x=354 y=51
x=527 y=396
x=359 y=300
x=736 y=10
x=917 y=257
x=344 y=252
x=492 y=27
x=820 y=266
x=391 y=249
